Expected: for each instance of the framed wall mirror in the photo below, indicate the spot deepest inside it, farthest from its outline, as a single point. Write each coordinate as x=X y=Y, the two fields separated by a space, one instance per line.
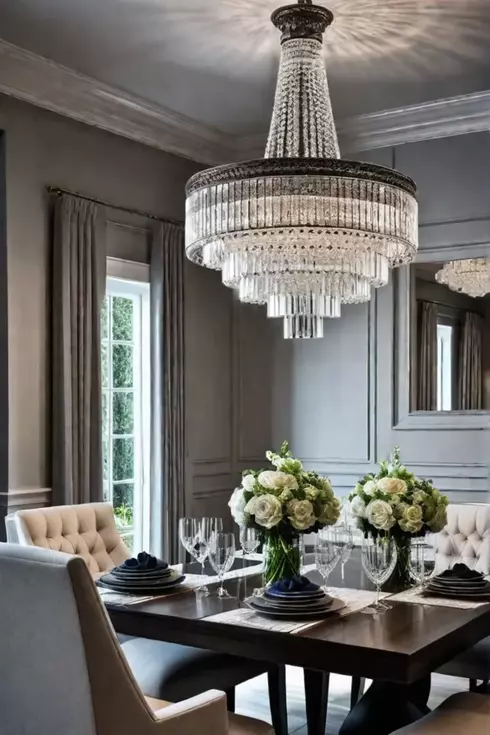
x=442 y=350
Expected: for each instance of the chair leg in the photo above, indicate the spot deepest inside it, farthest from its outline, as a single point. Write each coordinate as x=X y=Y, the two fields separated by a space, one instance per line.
x=278 y=699
x=230 y=700
x=473 y=685
x=357 y=690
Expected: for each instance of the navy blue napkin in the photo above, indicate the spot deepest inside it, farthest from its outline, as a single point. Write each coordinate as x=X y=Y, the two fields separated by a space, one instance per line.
x=143 y=563
x=461 y=571
x=296 y=584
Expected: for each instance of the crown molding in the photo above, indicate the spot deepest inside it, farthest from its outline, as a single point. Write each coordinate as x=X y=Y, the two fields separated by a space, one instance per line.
x=437 y=119
x=44 y=83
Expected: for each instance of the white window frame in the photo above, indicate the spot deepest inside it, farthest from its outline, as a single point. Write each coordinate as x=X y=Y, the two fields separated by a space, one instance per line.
x=445 y=367
x=126 y=278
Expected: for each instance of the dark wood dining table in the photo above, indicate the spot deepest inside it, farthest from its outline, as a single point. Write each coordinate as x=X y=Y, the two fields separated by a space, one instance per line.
x=398 y=649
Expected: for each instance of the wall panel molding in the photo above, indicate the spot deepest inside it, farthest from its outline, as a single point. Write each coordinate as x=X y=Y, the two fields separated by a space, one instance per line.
x=20 y=498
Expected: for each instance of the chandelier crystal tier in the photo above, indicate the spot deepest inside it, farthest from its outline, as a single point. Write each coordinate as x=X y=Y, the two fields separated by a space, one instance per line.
x=300 y=230
x=471 y=276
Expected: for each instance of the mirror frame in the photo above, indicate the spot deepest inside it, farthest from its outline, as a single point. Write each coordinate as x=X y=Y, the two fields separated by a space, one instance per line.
x=404 y=418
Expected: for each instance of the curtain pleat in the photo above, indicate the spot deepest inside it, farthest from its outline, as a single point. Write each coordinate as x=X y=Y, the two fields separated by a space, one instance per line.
x=470 y=364
x=167 y=454
x=79 y=270
x=427 y=367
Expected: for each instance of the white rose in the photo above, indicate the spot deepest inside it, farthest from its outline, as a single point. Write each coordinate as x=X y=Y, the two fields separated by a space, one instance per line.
x=392 y=485
x=311 y=492
x=237 y=505
x=358 y=507
x=300 y=514
x=330 y=513
x=370 y=487
x=412 y=520
x=380 y=515
x=248 y=482
x=277 y=480
x=267 y=510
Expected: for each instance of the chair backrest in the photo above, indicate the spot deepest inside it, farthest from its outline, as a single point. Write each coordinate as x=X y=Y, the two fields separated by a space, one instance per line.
x=63 y=672
x=466 y=538
x=87 y=530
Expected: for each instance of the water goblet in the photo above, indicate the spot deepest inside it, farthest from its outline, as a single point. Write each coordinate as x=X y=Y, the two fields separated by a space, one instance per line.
x=221 y=557
x=207 y=527
x=379 y=557
x=422 y=561
x=346 y=543
x=327 y=553
x=249 y=541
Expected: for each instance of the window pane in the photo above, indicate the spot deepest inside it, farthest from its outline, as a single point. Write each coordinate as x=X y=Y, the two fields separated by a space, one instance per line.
x=122 y=498
x=122 y=413
x=104 y=367
x=104 y=318
x=105 y=457
x=122 y=459
x=105 y=413
x=122 y=318
x=122 y=366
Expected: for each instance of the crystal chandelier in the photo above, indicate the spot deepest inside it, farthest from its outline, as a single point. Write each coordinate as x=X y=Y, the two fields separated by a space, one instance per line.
x=471 y=276
x=300 y=230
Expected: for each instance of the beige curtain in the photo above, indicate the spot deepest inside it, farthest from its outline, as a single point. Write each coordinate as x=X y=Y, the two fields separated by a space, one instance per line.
x=79 y=269
x=470 y=364
x=427 y=363
x=167 y=390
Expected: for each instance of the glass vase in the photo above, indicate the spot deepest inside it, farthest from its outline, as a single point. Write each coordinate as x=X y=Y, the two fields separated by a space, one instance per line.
x=401 y=579
x=282 y=558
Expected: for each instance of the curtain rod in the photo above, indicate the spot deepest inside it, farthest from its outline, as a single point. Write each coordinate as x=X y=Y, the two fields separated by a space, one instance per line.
x=58 y=191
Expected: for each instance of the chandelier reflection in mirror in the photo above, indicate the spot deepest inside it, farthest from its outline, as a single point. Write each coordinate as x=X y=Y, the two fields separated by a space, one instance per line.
x=471 y=276
x=302 y=231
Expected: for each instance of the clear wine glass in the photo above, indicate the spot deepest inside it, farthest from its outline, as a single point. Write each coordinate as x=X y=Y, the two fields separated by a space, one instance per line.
x=249 y=541
x=221 y=557
x=327 y=553
x=422 y=561
x=379 y=558
x=346 y=543
x=207 y=528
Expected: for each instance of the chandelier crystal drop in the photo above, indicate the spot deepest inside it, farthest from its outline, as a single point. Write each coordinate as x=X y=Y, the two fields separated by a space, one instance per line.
x=300 y=230
x=471 y=277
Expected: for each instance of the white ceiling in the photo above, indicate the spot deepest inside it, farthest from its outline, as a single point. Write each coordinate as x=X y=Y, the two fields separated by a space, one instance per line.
x=216 y=61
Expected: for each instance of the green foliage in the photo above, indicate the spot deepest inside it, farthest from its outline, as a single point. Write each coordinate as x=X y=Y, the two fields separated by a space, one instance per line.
x=122 y=366
x=122 y=413
x=124 y=515
x=123 y=495
x=122 y=459
x=104 y=318
x=122 y=319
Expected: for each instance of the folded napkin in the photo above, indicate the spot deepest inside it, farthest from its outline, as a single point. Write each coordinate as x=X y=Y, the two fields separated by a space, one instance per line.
x=143 y=563
x=460 y=571
x=296 y=584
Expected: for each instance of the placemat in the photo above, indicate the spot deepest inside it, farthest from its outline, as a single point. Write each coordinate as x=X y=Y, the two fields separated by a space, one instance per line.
x=414 y=596
x=355 y=600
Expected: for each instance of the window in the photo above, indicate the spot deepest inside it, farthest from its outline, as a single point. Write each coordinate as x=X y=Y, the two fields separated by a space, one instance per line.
x=444 y=367
x=125 y=404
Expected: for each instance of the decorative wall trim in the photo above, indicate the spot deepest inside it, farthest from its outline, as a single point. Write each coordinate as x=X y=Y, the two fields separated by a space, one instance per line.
x=31 y=497
x=44 y=83
x=444 y=118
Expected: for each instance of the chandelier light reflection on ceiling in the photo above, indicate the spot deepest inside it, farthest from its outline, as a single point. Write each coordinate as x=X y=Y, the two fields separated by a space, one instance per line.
x=471 y=277
x=300 y=230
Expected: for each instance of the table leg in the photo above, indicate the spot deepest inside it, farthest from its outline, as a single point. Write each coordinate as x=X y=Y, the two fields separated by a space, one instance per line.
x=278 y=699
x=387 y=707
x=316 y=697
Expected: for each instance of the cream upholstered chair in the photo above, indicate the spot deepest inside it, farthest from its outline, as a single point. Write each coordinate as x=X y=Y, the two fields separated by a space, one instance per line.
x=163 y=670
x=461 y=714
x=65 y=669
x=466 y=538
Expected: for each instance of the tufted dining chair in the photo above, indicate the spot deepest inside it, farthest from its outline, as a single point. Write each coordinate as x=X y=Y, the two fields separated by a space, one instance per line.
x=66 y=671
x=464 y=713
x=167 y=671
x=466 y=538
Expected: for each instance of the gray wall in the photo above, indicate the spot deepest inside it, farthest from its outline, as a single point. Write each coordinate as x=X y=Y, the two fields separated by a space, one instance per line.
x=337 y=399
x=44 y=148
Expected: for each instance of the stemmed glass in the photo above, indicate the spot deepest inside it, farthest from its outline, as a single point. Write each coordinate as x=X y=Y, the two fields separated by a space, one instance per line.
x=221 y=557
x=195 y=535
x=249 y=541
x=346 y=543
x=422 y=561
x=327 y=553
x=379 y=558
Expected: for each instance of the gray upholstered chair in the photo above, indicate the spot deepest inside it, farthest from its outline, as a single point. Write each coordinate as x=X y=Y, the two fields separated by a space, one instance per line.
x=461 y=714
x=466 y=538
x=63 y=669
x=166 y=671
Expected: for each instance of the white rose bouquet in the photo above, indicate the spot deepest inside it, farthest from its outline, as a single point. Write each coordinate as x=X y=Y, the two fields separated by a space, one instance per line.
x=397 y=504
x=282 y=504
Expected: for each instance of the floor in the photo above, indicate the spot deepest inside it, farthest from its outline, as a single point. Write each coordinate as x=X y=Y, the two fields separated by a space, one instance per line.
x=252 y=698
